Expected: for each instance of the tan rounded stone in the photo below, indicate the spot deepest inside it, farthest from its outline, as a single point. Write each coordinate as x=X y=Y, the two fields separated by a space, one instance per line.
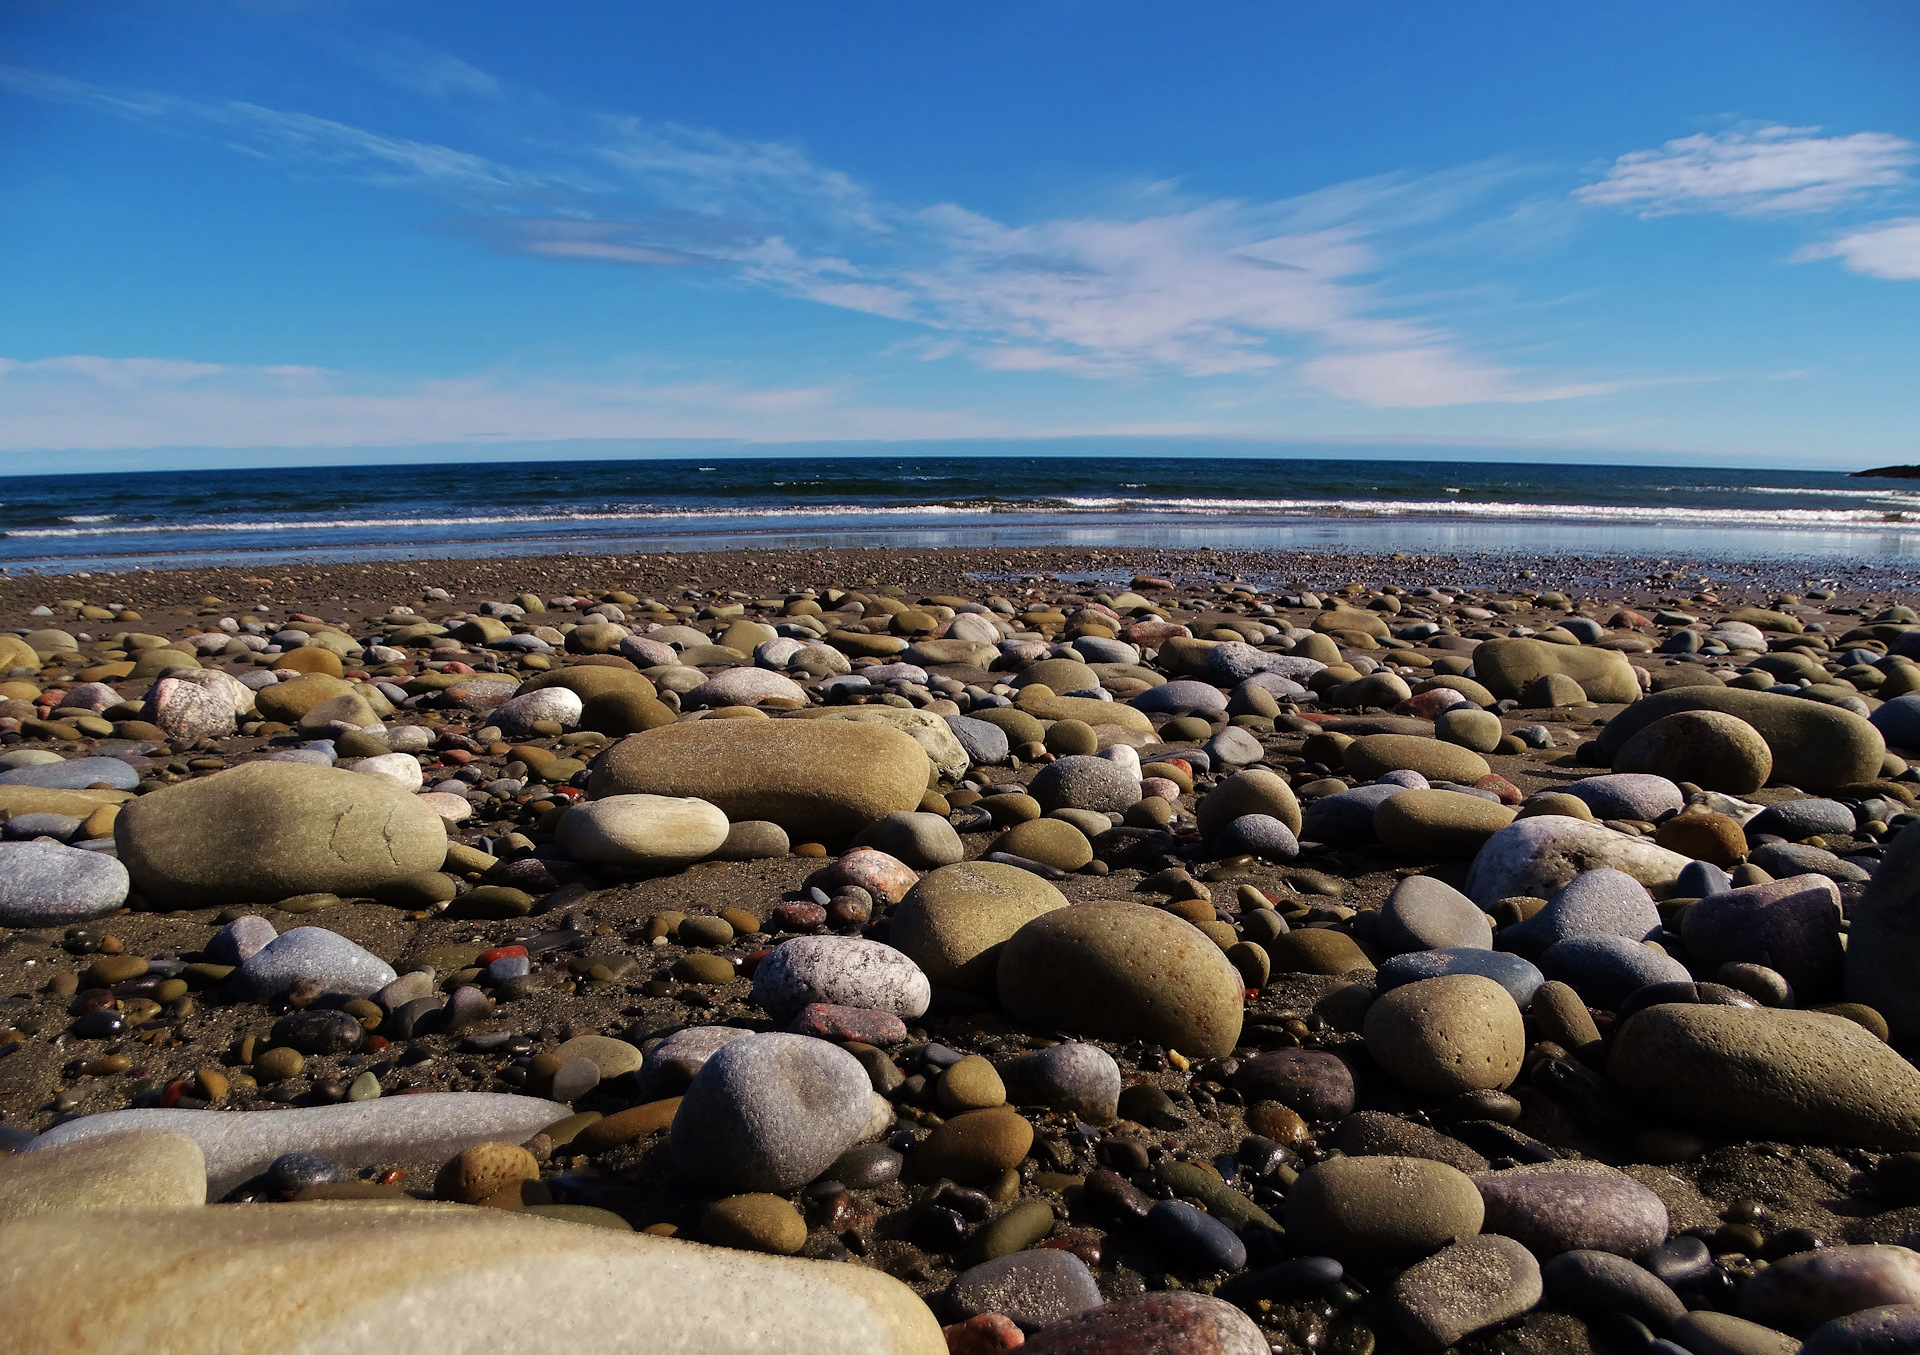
x=974 y=1147
x=1051 y=842
x=954 y=922
x=1253 y=791
x=764 y=1223
x=1448 y=1035
x=971 y=1084
x=484 y=1170
x=1374 y=755
x=1124 y=971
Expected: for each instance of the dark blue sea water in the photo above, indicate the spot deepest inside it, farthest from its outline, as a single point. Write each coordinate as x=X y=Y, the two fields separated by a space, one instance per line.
x=173 y=518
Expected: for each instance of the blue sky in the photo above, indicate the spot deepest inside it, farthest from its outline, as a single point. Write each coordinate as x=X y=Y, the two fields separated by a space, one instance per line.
x=279 y=229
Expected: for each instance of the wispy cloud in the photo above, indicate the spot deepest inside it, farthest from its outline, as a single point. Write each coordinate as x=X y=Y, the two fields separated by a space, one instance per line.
x=1886 y=249
x=1289 y=295
x=1772 y=170
x=414 y=66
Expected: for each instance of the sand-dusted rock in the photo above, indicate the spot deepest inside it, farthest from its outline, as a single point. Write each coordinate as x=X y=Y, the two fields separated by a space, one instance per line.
x=847 y=971
x=1801 y=1076
x=1712 y=749
x=1463 y=1289
x=1813 y=745
x=1158 y=1323
x=1508 y=667
x=1252 y=791
x=922 y=841
x=1380 y=1211
x=1123 y=971
x=1554 y=1207
x=1423 y=913
x=409 y=1129
x=1374 y=755
x=1052 y=842
x=1086 y=709
x=646 y=832
x=136 y=1169
x=288 y=701
x=1883 y=946
x=1443 y=1036
x=1534 y=857
x=815 y=778
x=1423 y=825
x=1804 y=1291
x=955 y=921
x=1087 y=782
x=266 y=831
x=1791 y=926
x=451 y=1277
x=1477 y=730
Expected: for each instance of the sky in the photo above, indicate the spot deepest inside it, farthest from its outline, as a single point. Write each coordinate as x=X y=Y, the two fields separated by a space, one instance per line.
x=240 y=231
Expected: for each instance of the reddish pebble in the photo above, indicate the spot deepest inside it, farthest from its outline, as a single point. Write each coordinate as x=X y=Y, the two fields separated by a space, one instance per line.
x=830 y=1021
x=1429 y=704
x=459 y=757
x=751 y=961
x=452 y=667
x=1508 y=792
x=375 y=1043
x=799 y=917
x=175 y=1090
x=1086 y=1246
x=983 y=1335
x=487 y=957
x=393 y=1176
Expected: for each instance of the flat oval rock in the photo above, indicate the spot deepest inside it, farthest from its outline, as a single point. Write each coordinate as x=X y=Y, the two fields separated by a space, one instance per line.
x=1173 y=1323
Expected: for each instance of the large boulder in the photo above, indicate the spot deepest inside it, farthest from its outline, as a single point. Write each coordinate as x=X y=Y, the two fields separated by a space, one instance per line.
x=267 y=831
x=1534 y=857
x=818 y=779
x=1124 y=971
x=1508 y=667
x=955 y=921
x=1805 y=1077
x=1813 y=745
x=449 y=1277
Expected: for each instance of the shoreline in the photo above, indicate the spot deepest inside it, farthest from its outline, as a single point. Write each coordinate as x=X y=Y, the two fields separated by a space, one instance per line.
x=937 y=567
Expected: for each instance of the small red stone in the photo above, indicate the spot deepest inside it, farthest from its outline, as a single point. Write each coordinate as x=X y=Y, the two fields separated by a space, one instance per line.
x=799 y=917
x=175 y=1090
x=983 y=1335
x=830 y=1021
x=460 y=757
x=487 y=957
x=751 y=961
x=376 y=1042
x=1508 y=792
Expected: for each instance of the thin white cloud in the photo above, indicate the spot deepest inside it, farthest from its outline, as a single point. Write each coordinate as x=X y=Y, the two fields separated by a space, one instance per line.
x=1287 y=295
x=415 y=66
x=1886 y=249
x=1774 y=170
x=92 y=403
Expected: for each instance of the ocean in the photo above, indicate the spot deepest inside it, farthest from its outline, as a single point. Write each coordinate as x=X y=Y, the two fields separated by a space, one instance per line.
x=163 y=519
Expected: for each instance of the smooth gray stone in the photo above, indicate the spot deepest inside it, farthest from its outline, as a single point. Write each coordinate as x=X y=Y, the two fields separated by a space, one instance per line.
x=1604 y=970
x=1599 y=1282
x=1603 y=902
x=44 y=884
x=1034 y=1288
x=770 y=1113
x=1082 y=1079
x=411 y=1129
x=1182 y=696
x=986 y=744
x=1893 y=1329
x=77 y=774
x=1345 y=819
x=1553 y=1208
x=1627 y=795
x=1423 y=913
x=338 y=964
x=671 y=1064
x=1797 y=819
x=1512 y=973
x=240 y=940
x=1094 y=783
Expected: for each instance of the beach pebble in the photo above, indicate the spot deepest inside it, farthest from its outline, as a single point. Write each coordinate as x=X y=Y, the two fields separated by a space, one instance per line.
x=1035 y=1288
x=1346 y=818
x=1380 y=1211
x=1800 y=1076
x=1598 y=1283
x=45 y=884
x=922 y=841
x=1123 y=971
x=1259 y=835
x=267 y=831
x=1710 y=748
x=845 y=971
x=1374 y=755
x=1469 y=727
x=1085 y=783
x=1604 y=970
x=1080 y=1079
x=1176 y=1322
x=1254 y=790
x=1462 y=1289
x=403 y=769
x=1195 y=1242
x=1890 y=1330
x=644 y=832
x=670 y=1065
x=974 y=1147
x=240 y=940
x=954 y=922
x=1883 y=947
x=986 y=745
x=1447 y=1035
x=1521 y=979
x=1603 y=902
x=1574 y=1206
x=769 y=1112
x=1792 y=926
x=880 y=875
x=820 y=780
x=312 y=954
x=387 y=1130
x=1423 y=913
x=74 y=774
x=1311 y=1082
x=1536 y=856
x=1801 y=1292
